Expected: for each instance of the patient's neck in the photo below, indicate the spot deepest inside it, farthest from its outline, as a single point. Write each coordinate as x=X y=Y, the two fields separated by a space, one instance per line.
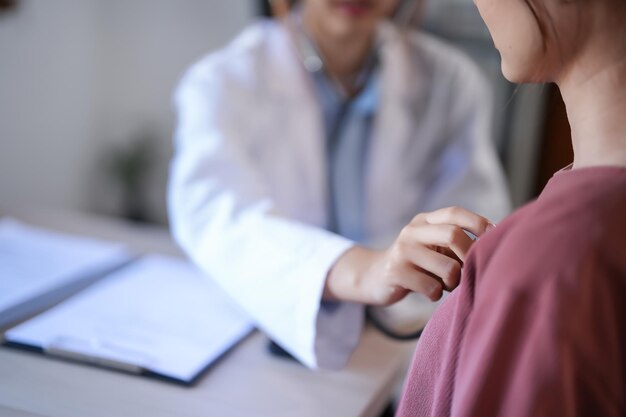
x=594 y=91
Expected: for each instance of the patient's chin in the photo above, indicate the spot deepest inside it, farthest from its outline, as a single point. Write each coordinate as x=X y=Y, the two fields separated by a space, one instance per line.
x=521 y=75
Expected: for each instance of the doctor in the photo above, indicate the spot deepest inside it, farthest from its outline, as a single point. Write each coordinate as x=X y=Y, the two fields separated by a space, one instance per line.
x=305 y=150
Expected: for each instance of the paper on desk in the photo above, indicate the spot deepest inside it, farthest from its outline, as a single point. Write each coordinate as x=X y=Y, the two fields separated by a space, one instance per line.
x=35 y=262
x=159 y=313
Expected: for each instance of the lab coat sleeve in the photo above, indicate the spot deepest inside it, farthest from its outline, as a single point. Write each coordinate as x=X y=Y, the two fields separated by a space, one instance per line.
x=225 y=220
x=468 y=172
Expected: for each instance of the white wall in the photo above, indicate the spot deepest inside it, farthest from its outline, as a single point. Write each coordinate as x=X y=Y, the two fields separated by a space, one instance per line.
x=47 y=78
x=77 y=76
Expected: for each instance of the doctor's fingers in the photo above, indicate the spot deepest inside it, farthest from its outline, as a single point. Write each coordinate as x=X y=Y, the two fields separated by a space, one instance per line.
x=456 y=216
x=419 y=282
x=442 y=235
x=444 y=268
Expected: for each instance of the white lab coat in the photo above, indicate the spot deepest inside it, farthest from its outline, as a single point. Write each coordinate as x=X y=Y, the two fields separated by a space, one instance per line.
x=247 y=194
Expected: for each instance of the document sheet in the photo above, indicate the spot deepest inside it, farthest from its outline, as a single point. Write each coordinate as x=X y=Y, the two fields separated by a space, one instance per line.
x=38 y=265
x=158 y=314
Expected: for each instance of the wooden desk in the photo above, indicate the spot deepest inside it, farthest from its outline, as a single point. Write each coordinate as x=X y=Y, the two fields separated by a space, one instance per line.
x=247 y=382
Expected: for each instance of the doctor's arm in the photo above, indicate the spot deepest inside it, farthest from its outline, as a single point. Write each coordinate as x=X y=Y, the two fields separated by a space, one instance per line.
x=225 y=219
x=282 y=272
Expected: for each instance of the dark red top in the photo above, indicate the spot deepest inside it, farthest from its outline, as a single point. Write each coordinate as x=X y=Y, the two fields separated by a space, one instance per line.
x=536 y=327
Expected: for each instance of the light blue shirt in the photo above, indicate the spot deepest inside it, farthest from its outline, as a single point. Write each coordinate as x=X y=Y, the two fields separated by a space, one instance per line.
x=348 y=127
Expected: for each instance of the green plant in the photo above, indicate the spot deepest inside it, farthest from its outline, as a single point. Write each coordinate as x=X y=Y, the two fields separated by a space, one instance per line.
x=129 y=167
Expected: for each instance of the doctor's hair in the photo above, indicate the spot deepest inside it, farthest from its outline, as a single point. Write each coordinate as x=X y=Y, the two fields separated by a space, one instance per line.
x=270 y=8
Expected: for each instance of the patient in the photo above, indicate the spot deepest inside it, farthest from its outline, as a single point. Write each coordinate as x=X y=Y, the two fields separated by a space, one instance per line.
x=537 y=326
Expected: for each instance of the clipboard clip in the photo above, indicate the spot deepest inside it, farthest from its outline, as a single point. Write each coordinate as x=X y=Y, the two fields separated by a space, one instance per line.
x=98 y=353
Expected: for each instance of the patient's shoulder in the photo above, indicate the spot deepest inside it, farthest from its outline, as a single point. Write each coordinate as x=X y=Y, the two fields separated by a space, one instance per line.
x=576 y=229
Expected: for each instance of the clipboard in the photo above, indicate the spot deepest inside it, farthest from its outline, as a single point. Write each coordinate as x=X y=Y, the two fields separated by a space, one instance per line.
x=158 y=317
x=39 y=267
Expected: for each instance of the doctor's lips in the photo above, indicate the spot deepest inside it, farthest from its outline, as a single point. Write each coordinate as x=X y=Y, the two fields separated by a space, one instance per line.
x=353 y=8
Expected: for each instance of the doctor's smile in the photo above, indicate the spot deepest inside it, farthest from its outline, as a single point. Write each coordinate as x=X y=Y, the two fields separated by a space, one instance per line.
x=353 y=8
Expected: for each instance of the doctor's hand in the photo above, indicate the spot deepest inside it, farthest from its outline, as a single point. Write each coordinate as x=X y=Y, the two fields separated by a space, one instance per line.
x=425 y=258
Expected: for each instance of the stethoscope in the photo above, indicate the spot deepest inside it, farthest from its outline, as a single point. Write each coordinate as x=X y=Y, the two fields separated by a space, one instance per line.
x=312 y=59
x=406 y=14
x=313 y=62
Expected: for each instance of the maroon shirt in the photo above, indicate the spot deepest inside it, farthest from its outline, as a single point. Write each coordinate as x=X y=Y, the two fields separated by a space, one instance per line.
x=536 y=327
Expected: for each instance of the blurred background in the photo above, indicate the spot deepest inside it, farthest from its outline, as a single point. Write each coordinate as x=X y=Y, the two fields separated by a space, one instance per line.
x=86 y=115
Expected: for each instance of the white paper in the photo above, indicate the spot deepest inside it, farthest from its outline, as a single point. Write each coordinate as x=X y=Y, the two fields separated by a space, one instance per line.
x=159 y=313
x=35 y=262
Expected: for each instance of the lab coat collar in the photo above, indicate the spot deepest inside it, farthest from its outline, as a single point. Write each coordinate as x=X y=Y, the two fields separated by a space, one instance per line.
x=286 y=76
x=400 y=71
x=400 y=92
